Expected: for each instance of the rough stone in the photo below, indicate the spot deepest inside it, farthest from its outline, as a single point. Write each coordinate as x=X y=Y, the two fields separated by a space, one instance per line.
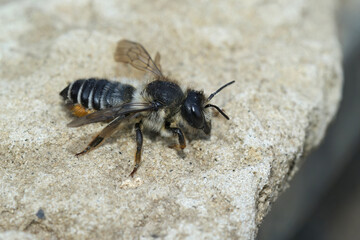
x=283 y=55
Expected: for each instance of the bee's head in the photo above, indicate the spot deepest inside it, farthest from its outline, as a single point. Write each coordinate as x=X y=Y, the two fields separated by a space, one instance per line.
x=194 y=109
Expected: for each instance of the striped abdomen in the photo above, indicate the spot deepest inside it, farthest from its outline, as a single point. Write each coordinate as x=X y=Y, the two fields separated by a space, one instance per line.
x=97 y=93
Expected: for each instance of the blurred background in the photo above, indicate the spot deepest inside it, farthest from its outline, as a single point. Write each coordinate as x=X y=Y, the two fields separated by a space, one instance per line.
x=323 y=201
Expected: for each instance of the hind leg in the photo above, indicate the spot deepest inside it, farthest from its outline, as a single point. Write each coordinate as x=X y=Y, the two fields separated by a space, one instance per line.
x=105 y=133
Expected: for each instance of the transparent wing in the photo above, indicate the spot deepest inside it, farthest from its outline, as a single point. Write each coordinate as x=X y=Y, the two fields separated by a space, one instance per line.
x=157 y=60
x=136 y=55
x=121 y=112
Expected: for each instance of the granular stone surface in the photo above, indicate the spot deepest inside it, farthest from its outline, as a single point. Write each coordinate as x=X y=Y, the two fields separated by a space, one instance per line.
x=283 y=55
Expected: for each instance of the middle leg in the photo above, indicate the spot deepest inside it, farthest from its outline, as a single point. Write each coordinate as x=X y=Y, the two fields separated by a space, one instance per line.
x=139 y=143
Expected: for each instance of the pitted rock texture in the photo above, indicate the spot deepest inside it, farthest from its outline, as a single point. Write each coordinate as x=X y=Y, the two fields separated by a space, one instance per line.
x=283 y=55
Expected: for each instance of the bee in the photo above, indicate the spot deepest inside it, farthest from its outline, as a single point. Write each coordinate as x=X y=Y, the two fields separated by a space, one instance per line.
x=160 y=106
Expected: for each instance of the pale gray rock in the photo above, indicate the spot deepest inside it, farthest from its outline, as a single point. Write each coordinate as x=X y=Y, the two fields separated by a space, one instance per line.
x=284 y=56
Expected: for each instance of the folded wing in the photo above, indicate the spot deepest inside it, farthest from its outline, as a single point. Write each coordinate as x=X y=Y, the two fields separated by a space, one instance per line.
x=122 y=112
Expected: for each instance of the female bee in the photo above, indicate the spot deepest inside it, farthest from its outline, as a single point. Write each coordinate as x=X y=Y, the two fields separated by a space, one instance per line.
x=161 y=106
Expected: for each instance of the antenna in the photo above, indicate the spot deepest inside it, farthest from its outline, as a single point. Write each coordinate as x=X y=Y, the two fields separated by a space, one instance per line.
x=217 y=108
x=217 y=91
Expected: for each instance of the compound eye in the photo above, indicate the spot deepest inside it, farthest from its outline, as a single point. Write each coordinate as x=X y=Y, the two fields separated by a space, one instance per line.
x=193 y=115
x=192 y=109
x=197 y=117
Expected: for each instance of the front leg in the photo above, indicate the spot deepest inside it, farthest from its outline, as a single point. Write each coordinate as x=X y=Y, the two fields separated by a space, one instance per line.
x=179 y=133
x=139 y=143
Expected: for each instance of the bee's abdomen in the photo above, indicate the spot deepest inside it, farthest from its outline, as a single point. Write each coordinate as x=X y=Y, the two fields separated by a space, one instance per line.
x=97 y=93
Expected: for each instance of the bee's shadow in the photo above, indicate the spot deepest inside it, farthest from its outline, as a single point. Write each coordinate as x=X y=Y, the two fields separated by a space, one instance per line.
x=127 y=132
x=191 y=136
x=167 y=141
x=67 y=109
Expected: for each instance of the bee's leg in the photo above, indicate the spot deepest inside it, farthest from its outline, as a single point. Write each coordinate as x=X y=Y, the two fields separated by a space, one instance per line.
x=179 y=133
x=106 y=132
x=139 y=143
